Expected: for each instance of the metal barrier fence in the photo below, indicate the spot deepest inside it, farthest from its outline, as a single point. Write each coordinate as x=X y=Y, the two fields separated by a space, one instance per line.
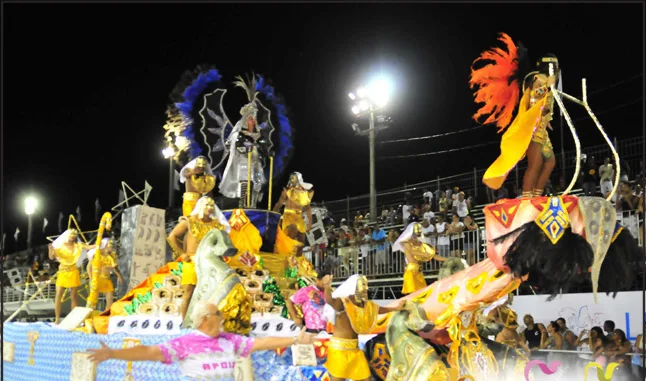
x=470 y=182
x=381 y=262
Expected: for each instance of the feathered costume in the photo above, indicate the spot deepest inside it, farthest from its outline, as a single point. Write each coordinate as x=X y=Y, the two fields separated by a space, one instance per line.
x=499 y=88
x=199 y=95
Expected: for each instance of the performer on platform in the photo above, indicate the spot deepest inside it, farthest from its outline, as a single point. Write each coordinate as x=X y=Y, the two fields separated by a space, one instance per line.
x=296 y=198
x=67 y=250
x=416 y=251
x=500 y=86
x=352 y=314
x=244 y=139
x=205 y=217
x=205 y=353
x=108 y=265
x=199 y=180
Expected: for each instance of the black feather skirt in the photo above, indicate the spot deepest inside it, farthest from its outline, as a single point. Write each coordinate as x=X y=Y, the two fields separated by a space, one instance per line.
x=553 y=268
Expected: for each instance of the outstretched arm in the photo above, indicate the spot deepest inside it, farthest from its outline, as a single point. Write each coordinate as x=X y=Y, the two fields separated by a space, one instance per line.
x=268 y=343
x=137 y=353
x=398 y=307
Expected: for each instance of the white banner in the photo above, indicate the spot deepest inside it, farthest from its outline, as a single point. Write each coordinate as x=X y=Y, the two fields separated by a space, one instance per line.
x=149 y=248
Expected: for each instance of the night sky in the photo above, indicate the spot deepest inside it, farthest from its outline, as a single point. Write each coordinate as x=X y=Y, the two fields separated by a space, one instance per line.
x=86 y=87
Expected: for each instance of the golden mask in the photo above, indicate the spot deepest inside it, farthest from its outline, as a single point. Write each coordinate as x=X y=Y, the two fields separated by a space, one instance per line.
x=293 y=181
x=73 y=235
x=201 y=162
x=361 y=292
x=417 y=230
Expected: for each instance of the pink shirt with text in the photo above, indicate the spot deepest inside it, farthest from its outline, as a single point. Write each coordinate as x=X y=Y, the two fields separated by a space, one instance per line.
x=205 y=357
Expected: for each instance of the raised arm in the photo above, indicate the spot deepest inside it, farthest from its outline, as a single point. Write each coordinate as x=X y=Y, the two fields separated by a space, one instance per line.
x=337 y=304
x=137 y=353
x=52 y=252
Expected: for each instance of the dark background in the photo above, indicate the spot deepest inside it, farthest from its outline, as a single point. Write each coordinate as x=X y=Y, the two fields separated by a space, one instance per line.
x=86 y=87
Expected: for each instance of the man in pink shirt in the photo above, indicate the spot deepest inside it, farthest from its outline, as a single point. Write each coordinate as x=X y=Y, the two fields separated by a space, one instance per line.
x=311 y=299
x=206 y=353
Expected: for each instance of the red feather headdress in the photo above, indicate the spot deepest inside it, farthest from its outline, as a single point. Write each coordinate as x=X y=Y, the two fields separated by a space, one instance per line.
x=498 y=85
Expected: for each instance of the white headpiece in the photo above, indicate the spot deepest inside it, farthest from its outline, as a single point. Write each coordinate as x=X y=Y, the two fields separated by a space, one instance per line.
x=58 y=242
x=346 y=289
x=104 y=244
x=191 y=165
x=216 y=215
x=404 y=237
x=299 y=179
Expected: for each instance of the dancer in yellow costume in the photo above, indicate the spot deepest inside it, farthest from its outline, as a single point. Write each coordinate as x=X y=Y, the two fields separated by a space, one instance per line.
x=352 y=314
x=416 y=251
x=205 y=217
x=108 y=264
x=500 y=85
x=199 y=179
x=67 y=250
x=296 y=198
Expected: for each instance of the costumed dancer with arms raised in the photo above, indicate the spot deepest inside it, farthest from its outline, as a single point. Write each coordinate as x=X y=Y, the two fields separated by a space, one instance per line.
x=67 y=250
x=416 y=252
x=352 y=314
x=503 y=84
x=205 y=217
x=199 y=180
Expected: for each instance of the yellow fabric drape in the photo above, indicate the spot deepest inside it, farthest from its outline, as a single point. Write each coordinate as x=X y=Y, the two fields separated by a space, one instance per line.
x=515 y=141
x=284 y=244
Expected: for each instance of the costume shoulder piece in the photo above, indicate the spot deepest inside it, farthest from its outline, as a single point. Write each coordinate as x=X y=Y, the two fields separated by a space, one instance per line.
x=363 y=319
x=299 y=196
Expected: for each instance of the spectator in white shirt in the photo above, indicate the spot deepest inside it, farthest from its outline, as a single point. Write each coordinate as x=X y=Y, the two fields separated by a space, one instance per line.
x=606 y=176
x=428 y=231
x=428 y=214
x=428 y=197
x=442 y=237
x=461 y=206
x=455 y=229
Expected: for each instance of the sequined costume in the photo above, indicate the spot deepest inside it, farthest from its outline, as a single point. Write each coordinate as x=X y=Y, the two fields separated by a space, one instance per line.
x=537 y=93
x=105 y=282
x=198 y=229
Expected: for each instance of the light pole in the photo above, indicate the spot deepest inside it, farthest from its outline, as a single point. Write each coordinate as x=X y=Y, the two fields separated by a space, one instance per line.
x=169 y=153
x=371 y=99
x=30 y=208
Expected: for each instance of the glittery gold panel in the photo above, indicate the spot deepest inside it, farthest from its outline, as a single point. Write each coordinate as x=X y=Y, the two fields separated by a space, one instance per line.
x=300 y=197
x=363 y=319
x=203 y=184
x=554 y=219
x=236 y=310
x=190 y=200
x=199 y=228
x=600 y=219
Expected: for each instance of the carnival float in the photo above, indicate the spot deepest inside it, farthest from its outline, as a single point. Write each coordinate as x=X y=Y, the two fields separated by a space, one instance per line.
x=248 y=260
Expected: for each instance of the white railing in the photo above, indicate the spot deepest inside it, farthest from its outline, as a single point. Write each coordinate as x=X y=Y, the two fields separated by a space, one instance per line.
x=380 y=260
x=634 y=223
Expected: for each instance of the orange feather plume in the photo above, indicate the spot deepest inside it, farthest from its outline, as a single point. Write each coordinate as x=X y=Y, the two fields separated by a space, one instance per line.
x=497 y=87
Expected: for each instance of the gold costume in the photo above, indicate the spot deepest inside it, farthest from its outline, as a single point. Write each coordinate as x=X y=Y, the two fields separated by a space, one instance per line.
x=284 y=244
x=104 y=283
x=541 y=135
x=202 y=184
x=530 y=124
x=301 y=198
x=244 y=235
x=362 y=319
x=413 y=277
x=68 y=273
x=198 y=230
x=303 y=266
x=345 y=360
